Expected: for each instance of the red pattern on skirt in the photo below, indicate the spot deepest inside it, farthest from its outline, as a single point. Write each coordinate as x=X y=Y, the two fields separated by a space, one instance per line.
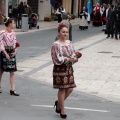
x=63 y=76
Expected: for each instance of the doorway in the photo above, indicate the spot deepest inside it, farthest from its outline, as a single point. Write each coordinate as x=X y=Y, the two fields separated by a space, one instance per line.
x=34 y=5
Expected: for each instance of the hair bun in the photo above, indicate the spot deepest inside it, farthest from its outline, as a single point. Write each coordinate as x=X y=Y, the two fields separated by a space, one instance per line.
x=62 y=25
x=6 y=20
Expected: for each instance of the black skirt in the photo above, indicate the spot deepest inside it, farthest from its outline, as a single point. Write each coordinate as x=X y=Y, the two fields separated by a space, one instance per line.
x=8 y=65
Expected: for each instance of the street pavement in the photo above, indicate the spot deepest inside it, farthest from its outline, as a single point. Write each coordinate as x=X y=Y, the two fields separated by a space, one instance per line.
x=96 y=73
x=97 y=95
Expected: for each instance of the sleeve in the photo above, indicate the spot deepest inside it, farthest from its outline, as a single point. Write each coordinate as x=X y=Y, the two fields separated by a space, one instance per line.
x=72 y=48
x=63 y=10
x=101 y=11
x=57 y=58
x=14 y=40
x=81 y=14
x=1 y=41
x=106 y=13
x=58 y=11
x=88 y=17
x=73 y=52
x=94 y=10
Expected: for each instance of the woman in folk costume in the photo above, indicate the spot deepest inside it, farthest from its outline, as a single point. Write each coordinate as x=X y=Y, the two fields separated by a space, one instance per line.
x=59 y=12
x=83 y=19
x=63 y=79
x=97 y=17
x=8 y=52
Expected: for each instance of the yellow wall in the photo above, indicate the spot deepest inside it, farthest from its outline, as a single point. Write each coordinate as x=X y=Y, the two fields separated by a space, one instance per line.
x=67 y=5
x=76 y=8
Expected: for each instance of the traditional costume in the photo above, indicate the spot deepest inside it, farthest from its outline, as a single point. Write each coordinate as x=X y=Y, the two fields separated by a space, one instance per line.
x=59 y=12
x=110 y=23
x=104 y=18
x=62 y=73
x=97 y=19
x=83 y=20
x=7 y=42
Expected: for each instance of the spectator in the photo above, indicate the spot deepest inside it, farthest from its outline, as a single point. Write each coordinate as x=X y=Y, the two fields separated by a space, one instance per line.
x=59 y=12
x=15 y=14
x=21 y=10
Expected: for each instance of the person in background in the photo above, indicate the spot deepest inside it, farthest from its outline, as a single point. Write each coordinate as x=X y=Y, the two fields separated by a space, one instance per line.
x=66 y=21
x=97 y=19
x=117 y=23
x=88 y=17
x=15 y=14
x=110 y=21
x=8 y=53
x=28 y=10
x=63 y=78
x=59 y=12
x=83 y=19
x=104 y=16
x=21 y=10
x=10 y=11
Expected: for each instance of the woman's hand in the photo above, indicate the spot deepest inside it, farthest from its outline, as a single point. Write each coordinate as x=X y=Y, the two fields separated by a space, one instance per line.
x=13 y=54
x=73 y=60
x=7 y=56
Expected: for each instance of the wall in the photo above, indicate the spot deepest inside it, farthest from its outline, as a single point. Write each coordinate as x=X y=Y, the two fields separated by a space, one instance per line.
x=75 y=8
x=44 y=9
x=67 y=5
x=22 y=0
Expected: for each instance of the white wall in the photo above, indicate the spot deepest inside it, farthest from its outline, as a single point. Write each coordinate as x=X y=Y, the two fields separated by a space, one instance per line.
x=22 y=0
x=6 y=8
x=44 y=9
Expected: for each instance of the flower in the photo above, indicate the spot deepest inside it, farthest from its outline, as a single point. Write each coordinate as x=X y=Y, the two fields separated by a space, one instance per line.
x=76 y=54
x=17 y=44
x=62 y=25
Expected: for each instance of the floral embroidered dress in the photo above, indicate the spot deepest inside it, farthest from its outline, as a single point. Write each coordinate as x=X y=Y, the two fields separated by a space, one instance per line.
x=62 y=74
x=8 y=43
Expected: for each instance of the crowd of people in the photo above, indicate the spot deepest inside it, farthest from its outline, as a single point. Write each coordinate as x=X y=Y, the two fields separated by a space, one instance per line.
x=109 y=16
x=113 y=21
x=106 y=15
x=17 y=11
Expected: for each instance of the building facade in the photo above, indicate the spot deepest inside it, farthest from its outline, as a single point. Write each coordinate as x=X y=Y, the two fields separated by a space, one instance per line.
x=43 y=7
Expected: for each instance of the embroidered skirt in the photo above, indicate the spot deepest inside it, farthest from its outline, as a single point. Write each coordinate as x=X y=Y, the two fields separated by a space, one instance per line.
x=63 y=76
x=8 y=65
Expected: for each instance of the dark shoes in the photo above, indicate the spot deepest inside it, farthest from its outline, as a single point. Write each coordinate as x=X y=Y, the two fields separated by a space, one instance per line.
x=11 y=92
x=14 y=93
x=57 y=110
x=63 y=116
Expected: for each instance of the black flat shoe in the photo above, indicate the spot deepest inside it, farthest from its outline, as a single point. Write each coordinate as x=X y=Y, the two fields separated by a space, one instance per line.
x=14 y=93
x=63 y=116
x=56 y=110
